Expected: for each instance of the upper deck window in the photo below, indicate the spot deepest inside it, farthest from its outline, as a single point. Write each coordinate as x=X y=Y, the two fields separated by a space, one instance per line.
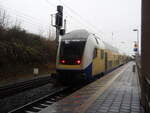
x=102 y=54
x=96 y=40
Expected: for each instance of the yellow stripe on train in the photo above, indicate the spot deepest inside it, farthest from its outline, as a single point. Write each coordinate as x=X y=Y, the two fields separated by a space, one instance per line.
x=60 y=66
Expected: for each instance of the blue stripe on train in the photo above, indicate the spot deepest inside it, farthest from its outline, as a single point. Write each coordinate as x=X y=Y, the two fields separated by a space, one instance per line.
x=88 y=72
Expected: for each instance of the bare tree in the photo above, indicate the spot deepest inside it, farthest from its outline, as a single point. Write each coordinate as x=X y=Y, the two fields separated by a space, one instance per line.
x=4 y=21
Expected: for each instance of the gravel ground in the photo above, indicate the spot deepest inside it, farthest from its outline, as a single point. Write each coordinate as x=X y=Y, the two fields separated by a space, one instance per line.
x=22 y=98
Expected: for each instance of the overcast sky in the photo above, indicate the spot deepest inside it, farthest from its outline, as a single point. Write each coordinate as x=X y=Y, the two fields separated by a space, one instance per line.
x=112 y=20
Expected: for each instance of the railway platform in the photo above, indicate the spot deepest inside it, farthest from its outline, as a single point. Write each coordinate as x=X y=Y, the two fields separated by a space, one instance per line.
x=116 y=92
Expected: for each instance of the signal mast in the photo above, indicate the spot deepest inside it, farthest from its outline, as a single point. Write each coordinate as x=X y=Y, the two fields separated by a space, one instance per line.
x=57 y=22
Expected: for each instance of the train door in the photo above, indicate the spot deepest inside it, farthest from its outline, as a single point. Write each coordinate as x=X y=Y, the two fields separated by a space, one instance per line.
x=106 y=59
x=96 y=62
x=102 y=61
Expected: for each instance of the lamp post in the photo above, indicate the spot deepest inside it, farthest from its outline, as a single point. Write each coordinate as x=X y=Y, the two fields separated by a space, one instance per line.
x=137 y=46
x=137 y=39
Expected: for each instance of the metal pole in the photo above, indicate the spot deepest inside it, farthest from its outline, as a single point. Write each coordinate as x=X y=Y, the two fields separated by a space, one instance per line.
x=57 y=35
x=65 y=25
x=138 y=39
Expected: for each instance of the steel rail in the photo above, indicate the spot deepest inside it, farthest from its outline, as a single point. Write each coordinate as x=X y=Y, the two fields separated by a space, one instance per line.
x=22 y=86
x=42 y=102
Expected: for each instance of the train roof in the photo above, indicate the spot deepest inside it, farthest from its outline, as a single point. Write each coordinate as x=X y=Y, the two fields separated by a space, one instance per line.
x=82 y=34
x=77 y=34
x=110 y=47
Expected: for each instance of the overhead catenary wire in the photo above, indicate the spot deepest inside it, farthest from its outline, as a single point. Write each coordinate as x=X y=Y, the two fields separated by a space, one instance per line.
x=26 y=20
x=73 y=18
x=32 y=21
x=22 y=15
x=50 y=3
x=83 y=19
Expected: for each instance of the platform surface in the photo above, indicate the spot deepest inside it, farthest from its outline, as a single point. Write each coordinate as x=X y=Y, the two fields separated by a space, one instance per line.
x=116 y=92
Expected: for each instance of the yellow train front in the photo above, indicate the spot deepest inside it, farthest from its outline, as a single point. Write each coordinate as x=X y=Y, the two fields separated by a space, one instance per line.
x=82 y=56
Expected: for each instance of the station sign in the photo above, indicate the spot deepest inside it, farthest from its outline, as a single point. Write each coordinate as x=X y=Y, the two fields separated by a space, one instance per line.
x=135 y=49
x=135 y=45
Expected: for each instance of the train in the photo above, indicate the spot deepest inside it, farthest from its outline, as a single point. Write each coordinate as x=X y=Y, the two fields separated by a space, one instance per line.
x=83 y=56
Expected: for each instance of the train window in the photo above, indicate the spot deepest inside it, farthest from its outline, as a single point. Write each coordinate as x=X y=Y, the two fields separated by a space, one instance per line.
x=72 y=49
x=95 y=53
x=102 y=54
x=99 y=40
x=110 y=64
x=96 y=40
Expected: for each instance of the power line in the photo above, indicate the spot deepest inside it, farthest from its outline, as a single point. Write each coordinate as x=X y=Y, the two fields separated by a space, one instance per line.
x=50 y=3
x=72 y=11
x=26 y=19
x=23 y=15
x=75 y=19
x=79 y=16
x=29 y=19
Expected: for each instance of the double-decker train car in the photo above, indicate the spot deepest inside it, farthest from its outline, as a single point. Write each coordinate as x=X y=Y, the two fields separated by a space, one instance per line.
x=82 y=56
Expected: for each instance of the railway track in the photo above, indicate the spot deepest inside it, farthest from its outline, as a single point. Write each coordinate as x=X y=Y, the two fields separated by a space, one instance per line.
x=22 y=86
x=43 y=102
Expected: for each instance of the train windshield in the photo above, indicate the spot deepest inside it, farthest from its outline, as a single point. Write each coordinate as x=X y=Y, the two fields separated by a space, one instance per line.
x=72 y=49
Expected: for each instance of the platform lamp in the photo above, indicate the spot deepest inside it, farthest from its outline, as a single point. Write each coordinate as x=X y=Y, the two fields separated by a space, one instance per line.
x=137 y=39
x=137 y=47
